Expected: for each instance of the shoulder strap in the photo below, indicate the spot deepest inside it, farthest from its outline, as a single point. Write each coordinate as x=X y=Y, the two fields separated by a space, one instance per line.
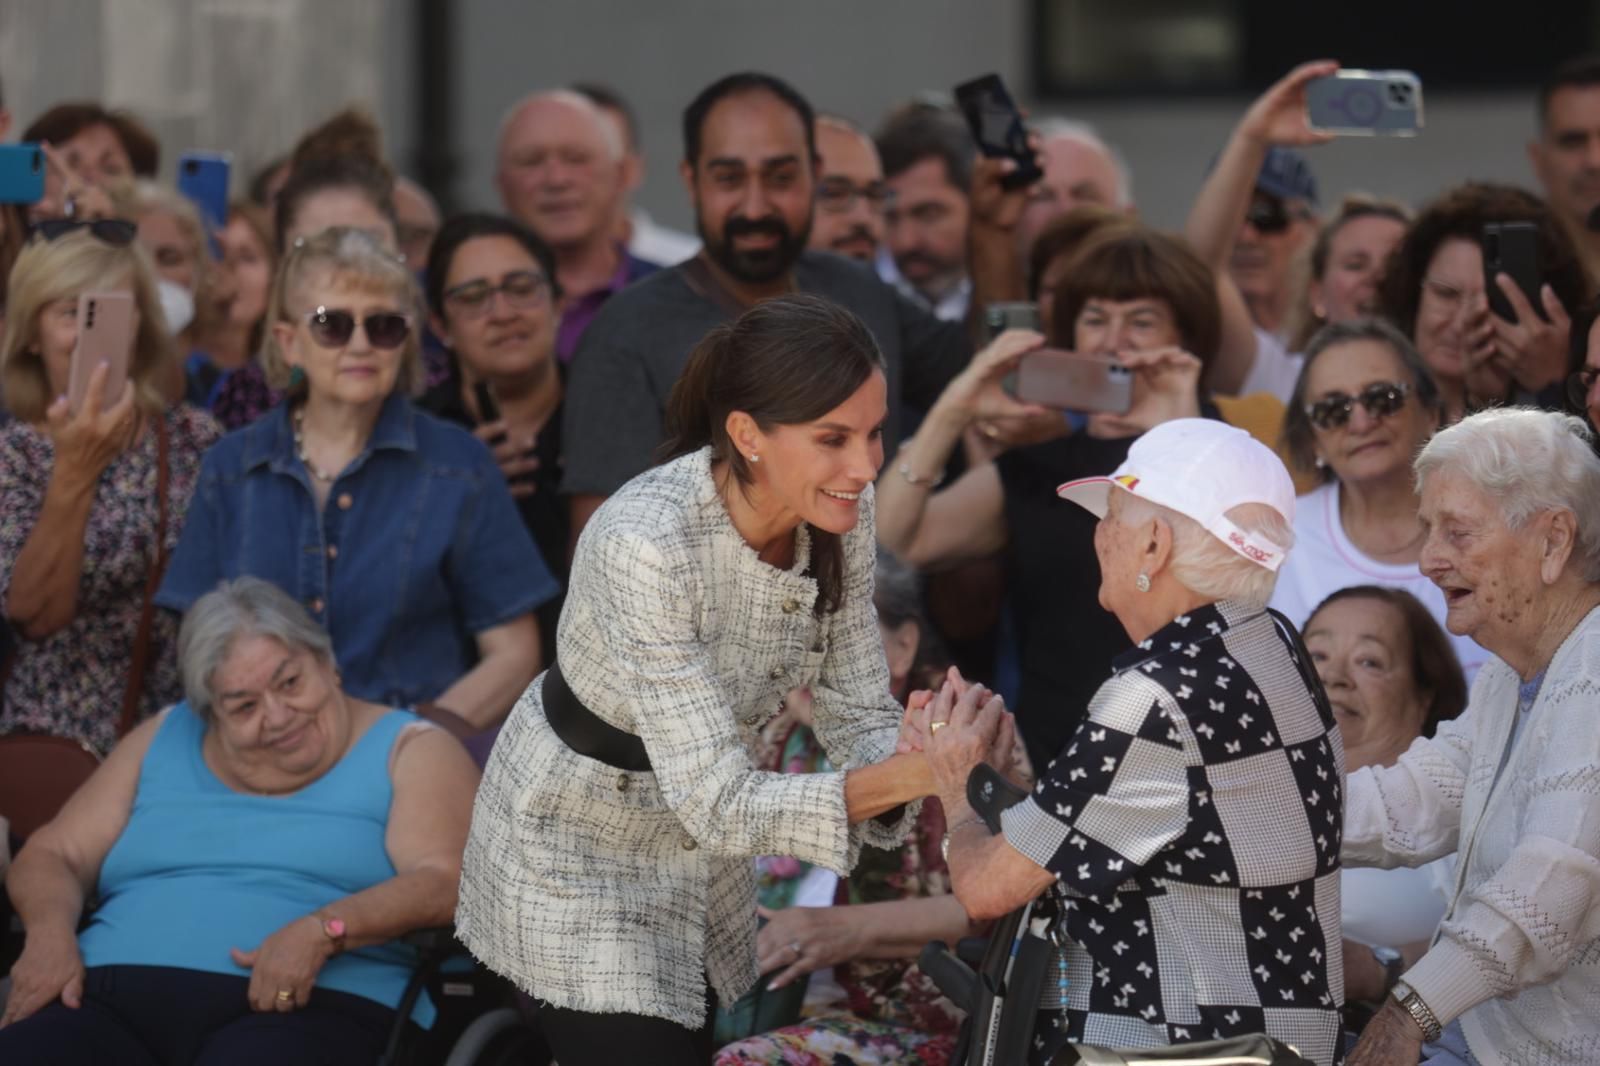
x=133 y=695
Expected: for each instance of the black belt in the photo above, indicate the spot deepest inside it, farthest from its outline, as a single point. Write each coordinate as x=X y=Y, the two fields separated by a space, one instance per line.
x=586 y=732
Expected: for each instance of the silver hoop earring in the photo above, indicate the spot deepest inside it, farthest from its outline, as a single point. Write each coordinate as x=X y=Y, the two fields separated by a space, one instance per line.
x=1142 y=582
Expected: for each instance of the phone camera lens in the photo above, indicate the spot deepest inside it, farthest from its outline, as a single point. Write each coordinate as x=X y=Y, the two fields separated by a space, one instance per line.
x=1399 y=93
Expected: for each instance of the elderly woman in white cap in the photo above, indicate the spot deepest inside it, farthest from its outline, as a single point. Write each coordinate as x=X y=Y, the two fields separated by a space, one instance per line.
x=1188 y=835
x=1511 y=505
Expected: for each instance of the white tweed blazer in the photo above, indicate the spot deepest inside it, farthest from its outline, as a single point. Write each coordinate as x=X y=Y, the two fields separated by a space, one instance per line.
x=1517 y=957
x=602 y=890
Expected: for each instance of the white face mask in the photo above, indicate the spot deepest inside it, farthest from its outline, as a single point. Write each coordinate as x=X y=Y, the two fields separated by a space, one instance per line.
x=177 y=305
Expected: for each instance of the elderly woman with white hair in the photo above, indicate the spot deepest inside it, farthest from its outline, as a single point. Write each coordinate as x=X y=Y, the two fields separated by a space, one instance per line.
x=1188 y=834
x=1511 y=504
x=254 y=853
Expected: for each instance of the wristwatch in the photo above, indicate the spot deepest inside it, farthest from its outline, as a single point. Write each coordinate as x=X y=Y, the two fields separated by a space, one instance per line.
x=1420 y=1012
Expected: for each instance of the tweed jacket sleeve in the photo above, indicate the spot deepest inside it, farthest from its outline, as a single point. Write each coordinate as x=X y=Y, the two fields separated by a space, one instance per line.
x=681 y=712
x=854 y=716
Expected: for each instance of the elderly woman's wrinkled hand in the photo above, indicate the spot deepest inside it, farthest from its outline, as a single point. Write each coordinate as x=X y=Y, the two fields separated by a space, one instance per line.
x=49 y=968
x=283 y=970
x=1009 y=754
x=798 y=940
x=965 y=728
x=914 y=726
x=1166 y=385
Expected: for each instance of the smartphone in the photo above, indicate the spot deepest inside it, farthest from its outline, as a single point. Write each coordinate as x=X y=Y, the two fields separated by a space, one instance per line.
x=1016 y=314
x=1072 y=381
x=1365 y=103
x=1511 y=248
x=21 y=174
x=488 y=410
x=997 y=127
x=203 y=178
x=105 y=335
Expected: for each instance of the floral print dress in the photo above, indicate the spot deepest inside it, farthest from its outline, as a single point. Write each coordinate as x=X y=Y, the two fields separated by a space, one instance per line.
x=71 y=683
x=892 y=1012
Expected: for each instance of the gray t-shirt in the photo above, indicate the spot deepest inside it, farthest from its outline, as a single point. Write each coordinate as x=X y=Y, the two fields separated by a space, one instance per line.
x=634 y=350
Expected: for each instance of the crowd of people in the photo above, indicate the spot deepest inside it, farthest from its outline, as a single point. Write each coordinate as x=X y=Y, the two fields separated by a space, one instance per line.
x=611 y=593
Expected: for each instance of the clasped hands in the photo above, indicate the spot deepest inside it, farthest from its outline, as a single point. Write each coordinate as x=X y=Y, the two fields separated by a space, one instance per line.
x=958 y=727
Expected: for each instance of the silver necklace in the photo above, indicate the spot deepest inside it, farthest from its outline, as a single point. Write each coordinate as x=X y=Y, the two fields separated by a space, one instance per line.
x=300 y=448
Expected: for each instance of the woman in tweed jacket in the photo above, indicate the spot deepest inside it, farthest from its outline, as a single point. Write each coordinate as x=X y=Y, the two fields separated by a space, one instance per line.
x=700 y=594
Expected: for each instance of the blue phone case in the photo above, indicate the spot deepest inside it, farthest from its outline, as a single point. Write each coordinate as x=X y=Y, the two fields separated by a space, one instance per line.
x=21 y=174
x=203 y=178
x=1366 y=103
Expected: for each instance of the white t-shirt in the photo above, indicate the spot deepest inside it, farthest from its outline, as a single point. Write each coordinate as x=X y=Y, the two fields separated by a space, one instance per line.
x=1275 y=368
x=1323 y=561
x=1390 y=908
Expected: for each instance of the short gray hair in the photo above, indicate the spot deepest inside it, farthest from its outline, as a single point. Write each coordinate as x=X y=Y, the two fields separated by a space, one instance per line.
x=246 y=606
x=1205 y=565
x=1529 y=461
x=1052 y=128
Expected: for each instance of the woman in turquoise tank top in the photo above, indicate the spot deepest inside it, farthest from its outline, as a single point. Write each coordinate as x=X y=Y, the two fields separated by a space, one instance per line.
x=255 y=850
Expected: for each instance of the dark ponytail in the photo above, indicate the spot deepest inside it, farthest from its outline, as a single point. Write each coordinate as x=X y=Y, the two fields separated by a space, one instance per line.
x=784 y=362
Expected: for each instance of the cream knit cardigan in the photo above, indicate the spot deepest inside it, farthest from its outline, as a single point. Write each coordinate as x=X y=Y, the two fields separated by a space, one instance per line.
x=1517 y=957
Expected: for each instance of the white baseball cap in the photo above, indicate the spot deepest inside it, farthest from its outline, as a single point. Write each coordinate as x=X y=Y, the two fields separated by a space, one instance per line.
x=1202 y=469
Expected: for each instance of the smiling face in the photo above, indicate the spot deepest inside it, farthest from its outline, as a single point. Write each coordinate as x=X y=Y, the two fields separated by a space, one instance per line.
x=1137 y=325
x=1489 y=573
x=1368 y=447
x=277 y=714
x=818 y=470
x=355 y=373
x=560 y=172
x=1363 y=654
x=510 y=333
x=1451 y=287
x=1348 y=287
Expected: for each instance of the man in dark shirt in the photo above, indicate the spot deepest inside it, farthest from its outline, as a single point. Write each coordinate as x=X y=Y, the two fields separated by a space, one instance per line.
x=750 y=167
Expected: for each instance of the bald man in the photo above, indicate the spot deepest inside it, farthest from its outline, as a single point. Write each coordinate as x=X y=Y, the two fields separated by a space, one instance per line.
x=851 y=193
x=1079 y=169
x=562 y=172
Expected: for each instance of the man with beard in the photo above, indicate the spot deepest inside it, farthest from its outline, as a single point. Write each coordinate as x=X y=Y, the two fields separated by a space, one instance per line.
x=562 y=172
x=750 y=166
x=927 y=156
x=851 y=193
x=1566 y=157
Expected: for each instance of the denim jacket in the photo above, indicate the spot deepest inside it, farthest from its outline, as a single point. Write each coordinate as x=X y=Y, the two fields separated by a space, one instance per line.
x=418 y=548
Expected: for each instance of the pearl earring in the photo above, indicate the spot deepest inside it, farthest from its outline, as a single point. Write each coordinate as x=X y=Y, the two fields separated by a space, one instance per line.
x=1142 y=582
x=754 y=458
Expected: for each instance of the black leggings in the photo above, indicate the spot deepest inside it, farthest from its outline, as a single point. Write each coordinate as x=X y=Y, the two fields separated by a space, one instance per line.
x=581 y=1038
x=163 y=1016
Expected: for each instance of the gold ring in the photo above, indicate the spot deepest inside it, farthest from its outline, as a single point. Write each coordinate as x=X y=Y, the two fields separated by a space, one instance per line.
x=934 y=727
x=285 y=995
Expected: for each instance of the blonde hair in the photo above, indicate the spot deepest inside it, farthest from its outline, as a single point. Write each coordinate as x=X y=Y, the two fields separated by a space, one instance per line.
x=65 y=268
x=347 y=257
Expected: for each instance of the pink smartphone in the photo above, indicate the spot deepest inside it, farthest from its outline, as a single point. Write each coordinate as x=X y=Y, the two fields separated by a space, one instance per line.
x=105 y=335
x=1072 y=381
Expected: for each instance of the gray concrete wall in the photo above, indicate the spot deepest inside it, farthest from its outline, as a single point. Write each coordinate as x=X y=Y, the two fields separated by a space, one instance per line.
x=249 y=75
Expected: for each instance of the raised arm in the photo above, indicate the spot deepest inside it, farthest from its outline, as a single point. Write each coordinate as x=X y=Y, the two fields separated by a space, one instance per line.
x=1409 y=813
x=1278 y=117
x=56 y=872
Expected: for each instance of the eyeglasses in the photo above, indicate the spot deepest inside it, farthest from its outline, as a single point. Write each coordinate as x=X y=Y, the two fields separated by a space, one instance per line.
x=118 y=232
x=1273 y=216
x=522 y=289
x=838 y=195
x=1380 y=399
x=331 y=328
x=1580 y=384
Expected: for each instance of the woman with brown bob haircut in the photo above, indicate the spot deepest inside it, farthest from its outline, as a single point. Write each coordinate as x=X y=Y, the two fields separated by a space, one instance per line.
x=1129 y=290
x=1433 y=290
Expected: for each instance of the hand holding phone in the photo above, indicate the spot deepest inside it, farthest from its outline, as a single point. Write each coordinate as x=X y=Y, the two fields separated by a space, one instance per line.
x=1072 y=381
x=997 y=127
x=1510 y=248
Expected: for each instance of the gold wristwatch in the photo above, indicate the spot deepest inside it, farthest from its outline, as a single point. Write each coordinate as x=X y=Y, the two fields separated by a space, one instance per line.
x=1420 y=1012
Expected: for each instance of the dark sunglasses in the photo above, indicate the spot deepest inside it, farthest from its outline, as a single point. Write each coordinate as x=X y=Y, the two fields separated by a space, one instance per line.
x=1272 y=216
x=333 y=329
x=1380 y=399
x=1580 y=384
x=521 y=289
x=118 y=232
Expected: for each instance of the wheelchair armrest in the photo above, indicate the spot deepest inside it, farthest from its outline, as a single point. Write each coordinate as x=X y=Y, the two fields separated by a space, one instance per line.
x=954 y=978
x=970 y=949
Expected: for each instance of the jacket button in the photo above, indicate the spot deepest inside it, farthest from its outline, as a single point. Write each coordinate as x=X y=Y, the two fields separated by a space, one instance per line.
x=777 y=672
x=315 y=605
x=752 y=719
x=791 y=605
x=333 y=551
x=345 y=501
x=689 y=844
x=622 y=782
